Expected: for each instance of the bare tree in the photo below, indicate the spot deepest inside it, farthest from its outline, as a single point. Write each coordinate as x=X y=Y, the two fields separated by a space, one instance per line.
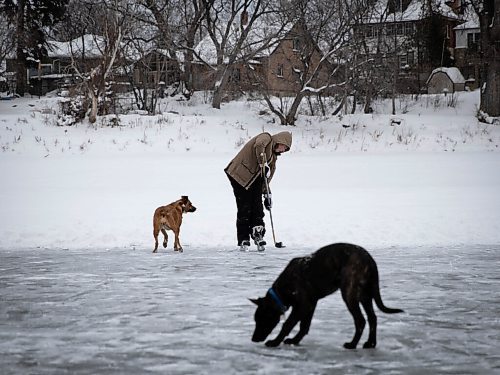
x=177 y=23
x=112 y=23
x=489 y=23
x=230 y=26
x=149 y=72
x=7 y=39
x=31 y=19
x=193 y=13
x=325 y=28
x=366 y=57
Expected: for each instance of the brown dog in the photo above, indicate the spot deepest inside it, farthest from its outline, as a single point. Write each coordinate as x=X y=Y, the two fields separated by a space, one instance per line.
x=170 y=218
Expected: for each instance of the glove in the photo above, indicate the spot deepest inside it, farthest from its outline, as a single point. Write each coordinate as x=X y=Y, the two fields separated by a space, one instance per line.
x=268 y=202
x=267 y=170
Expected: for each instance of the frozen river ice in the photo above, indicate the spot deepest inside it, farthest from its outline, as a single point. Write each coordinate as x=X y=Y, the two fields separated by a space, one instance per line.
x=124 y=311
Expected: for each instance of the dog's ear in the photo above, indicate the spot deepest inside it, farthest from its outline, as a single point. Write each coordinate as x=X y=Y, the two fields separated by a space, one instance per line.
x=256 y=301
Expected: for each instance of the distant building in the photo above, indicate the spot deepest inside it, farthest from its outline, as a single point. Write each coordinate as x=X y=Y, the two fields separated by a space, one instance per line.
x=61 y=63
x=156 y=68
x=467 y=49
x=275 y=69
x=418 y=36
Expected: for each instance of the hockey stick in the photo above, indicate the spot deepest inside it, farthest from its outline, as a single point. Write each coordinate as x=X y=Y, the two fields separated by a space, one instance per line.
x=276 y=244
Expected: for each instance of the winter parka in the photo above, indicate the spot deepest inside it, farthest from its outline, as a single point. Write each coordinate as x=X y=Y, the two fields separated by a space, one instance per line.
x=247 y=164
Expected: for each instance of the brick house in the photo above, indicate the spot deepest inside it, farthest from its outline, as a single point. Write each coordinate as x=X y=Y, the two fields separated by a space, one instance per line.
x=275 y=70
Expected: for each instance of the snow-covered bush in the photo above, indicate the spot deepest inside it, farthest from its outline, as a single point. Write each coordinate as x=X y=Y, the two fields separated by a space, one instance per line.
x=71 y=111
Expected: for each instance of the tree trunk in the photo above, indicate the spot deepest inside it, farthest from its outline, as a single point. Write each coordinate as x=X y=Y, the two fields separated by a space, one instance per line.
x=188 y=75
x=321 y=104
x=220 y=85
x=368 y=101
x=490 y=96
x=490 y=40
x=21 y=55
x=340 y=106
x=188 y=62
x=93 y=107
x=291 y=115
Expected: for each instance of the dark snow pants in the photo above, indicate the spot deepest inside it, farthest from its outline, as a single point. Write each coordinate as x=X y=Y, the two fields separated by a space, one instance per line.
x=250 y=210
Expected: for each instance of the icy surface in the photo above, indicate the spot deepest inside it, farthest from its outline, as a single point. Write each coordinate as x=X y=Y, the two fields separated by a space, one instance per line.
x=124 y=311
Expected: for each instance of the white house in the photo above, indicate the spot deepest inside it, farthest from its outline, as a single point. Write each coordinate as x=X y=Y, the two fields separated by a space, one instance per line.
x=467 y=58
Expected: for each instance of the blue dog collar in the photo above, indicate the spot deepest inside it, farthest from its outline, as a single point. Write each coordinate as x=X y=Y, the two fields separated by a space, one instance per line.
x=280 y=304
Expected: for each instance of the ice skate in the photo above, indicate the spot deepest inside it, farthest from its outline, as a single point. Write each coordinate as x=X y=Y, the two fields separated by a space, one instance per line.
x=258 y=237
x=244 y=245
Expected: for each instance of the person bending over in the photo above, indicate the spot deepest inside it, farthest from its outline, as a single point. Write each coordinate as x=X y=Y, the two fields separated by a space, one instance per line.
x=248 y=172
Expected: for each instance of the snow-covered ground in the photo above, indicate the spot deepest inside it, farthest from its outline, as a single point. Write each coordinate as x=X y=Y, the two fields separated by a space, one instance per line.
x=433 y=179
x=76 y=206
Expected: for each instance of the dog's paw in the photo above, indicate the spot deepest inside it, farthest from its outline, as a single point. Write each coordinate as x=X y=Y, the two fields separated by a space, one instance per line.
x=291 y=342
x=349 y=345
x=369 y=345
x=272 y=343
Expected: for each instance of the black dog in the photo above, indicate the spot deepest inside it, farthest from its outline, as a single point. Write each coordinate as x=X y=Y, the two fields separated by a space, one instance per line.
x=307 y=279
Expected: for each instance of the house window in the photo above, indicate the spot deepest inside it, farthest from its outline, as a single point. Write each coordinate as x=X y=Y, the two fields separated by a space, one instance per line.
x=403 y=61
x=399 y=29
x=45 y=69
x=470 y=40
x=409 y=28
x=154 y=66
x=390 y=29
x=279 y=70
x=373 y=31
x=473 y=41
x=296 y=72
x=410 y=58
x=296 y=44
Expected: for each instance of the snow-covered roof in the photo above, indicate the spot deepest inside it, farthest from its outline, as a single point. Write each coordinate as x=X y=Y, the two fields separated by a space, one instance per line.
x=414 y=11
x=471 y=20
x=91 y=45
x=454 y=74
x=444 y=9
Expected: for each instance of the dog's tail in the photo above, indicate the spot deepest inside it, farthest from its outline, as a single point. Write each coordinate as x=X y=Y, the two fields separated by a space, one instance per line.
x=380 y=304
